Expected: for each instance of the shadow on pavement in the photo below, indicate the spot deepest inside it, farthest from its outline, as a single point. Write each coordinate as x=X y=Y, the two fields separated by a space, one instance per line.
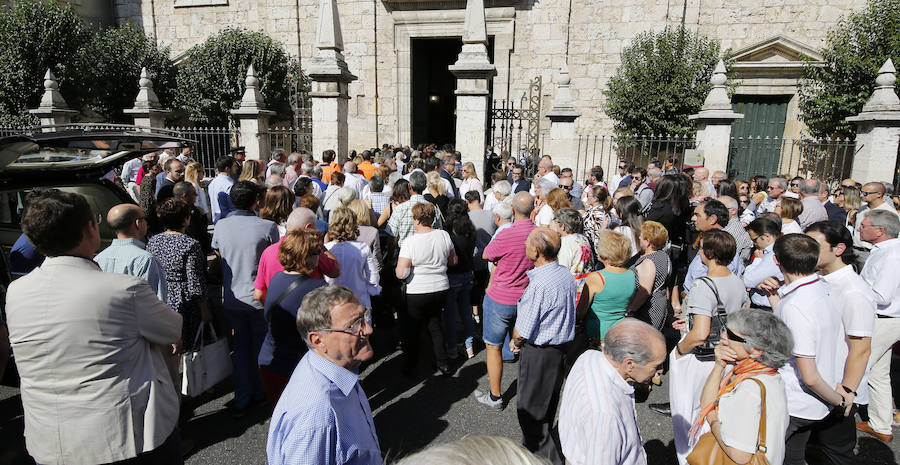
x=659 y=453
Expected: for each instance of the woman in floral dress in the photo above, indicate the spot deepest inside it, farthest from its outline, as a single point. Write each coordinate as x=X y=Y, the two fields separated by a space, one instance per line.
x=184 y=265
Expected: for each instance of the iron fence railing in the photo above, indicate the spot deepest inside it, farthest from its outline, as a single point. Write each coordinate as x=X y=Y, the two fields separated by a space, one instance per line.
x=606 y=151
x=212 y=144
x=291 y=139
x=829 y=160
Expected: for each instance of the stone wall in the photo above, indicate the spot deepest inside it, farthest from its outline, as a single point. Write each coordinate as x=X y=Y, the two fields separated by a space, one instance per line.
x=596 y=34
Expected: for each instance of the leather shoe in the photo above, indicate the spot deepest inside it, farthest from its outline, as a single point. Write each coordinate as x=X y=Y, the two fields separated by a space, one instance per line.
x=865 y=428
x=662 y=409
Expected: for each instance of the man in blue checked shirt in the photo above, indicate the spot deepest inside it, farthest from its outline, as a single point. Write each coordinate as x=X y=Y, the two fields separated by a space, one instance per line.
x=323 y=416
x=545 y=323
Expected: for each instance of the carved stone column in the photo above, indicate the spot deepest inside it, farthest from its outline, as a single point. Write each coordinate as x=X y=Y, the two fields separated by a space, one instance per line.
x=878 y=130
x=714 y=123
x=253 y=119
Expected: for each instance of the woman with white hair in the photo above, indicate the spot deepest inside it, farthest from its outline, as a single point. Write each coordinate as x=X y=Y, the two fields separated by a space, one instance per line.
x=498 y=193
x=756 y=344
x=545 y=215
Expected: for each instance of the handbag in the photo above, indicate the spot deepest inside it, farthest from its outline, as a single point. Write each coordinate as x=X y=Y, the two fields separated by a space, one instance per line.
x=708 y=452
x=716 y=323
x=205 y=367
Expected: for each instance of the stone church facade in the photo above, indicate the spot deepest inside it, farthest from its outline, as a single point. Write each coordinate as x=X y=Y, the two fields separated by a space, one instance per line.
x=396 y=48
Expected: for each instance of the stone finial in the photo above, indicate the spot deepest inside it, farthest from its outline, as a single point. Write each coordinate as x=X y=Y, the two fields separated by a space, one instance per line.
x=253 y=99
x=883 y=97
x=328 y=64
x=563 y=105
x=473 y=59
x=717 y=105
x=52 y=98
x=328 y=33
x=146 y=97
x=475 y=26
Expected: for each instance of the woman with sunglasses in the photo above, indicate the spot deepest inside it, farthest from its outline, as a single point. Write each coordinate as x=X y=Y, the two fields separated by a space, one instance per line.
x=470 y=181
x=755 y=343
x=282 y=347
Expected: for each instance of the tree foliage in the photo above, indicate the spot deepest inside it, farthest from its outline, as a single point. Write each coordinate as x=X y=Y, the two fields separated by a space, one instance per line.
x=854 y=51
x=663 y=78
x=211 y=80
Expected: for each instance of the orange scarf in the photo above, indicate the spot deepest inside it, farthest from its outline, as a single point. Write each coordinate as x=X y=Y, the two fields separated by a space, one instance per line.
x=742 y=371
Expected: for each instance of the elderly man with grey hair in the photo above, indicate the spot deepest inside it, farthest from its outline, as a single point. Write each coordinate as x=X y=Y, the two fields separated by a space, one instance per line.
x=353 y=179
x=292 y=170
x=323 y=412
x=777 y=188
x=880 y=228
x=276 y=159
x=813 y=210
x=597 y=420
x=756 y=343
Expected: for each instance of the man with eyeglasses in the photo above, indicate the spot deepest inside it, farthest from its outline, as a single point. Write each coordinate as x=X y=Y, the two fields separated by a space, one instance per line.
x=519 y=183
x=642 y=193
x=566 y=182
x=510 y=164
x=777 y=188
x=323 y=413
x=621 y=172
x=873 y=194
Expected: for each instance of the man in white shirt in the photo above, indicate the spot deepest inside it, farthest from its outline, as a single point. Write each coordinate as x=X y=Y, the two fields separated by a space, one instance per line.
x=763 y=232
x=806 y=305
x=621 y=172
x=873 y=194
x=354 y=180
x=880 y=228
x=813 y=210
x=597 y=421
x=777 y=188
x=857 y=303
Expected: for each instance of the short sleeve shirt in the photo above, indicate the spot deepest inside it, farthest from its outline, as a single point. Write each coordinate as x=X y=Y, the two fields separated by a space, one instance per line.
x=739 y=412
x=429 y=253
x=702 y=300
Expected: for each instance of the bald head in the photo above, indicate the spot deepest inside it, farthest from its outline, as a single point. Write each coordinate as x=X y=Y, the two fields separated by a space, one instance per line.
x=523 y=204
x=545 y=165
x=632 y=338
x=543 y=242
x=124 y=218
x=349 y=167
x=301 y=218
x=701 y=174
x=874 y=187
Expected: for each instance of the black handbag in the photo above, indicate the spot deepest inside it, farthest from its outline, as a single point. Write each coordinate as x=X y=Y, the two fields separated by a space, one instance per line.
x=716 y=323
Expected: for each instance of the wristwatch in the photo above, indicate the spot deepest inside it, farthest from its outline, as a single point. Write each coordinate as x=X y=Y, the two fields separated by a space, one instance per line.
x=849 y=391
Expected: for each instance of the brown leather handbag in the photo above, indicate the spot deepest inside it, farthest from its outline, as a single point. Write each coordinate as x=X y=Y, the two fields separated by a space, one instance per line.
x=708 y=452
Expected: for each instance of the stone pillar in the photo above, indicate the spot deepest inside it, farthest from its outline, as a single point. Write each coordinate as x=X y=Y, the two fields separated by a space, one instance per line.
x=53 y=109
x=714 y=123
x=147 y=111
x=330 y=77
x=878 y=130
x=253 y=119
x=562 y=125
x=473 y=70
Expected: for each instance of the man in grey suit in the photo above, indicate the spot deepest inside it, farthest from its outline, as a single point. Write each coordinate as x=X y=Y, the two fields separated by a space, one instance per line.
x=95 y=388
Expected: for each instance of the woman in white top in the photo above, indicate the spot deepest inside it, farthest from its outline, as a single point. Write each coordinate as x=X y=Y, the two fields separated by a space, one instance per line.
x=422 y=265
x=359 y=269
x=757 y=344
x=470 y=181
x=368 y=234
x=689 y=365
x=548 y=201
x=193 y=173
x=789 y=209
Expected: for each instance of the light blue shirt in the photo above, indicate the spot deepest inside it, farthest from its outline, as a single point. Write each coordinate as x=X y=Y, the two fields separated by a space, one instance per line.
x=129 y=256
x=759 y=270
x=322 y=418
x=546 y=311
x=698 y=270
x=219 y=196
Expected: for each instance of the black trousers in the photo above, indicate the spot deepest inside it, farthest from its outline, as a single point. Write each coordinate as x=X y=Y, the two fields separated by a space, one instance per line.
x=168 y=453
x=541 y=371
x=836 y=434
x=423 y=313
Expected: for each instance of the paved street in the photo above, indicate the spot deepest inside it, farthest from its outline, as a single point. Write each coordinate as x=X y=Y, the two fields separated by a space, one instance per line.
x=409 y=415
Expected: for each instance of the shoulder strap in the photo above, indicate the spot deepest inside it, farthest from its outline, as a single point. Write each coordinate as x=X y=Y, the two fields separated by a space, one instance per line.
x=761 y=439
x=720 y=307
x=286 y=292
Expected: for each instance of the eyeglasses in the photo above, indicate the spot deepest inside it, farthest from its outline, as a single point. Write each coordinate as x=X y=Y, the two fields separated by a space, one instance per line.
x=733 y=337
x=794 y=184
x=568 y=188
x=356 y=326
x=867 y=192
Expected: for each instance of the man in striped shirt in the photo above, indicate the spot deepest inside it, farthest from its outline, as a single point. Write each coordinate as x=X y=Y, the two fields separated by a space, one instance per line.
x=597 y=420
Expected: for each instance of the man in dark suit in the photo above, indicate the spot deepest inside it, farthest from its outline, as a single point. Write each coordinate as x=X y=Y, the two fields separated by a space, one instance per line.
x=519 y=183
x=836 y=213
x=437 y=164
x=510 y=162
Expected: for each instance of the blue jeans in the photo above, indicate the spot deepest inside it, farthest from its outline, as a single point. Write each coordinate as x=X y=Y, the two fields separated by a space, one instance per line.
x=459 y=303
x=498 y=322
x=249 y=331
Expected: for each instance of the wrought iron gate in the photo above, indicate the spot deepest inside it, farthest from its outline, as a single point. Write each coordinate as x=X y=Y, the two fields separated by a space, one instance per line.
x=515 y=129
x=297 y=136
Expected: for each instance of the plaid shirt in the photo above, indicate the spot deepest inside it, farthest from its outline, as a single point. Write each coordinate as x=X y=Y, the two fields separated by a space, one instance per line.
x=546 y=311
x=741 y=237
x=380 y=201
x=401 y=221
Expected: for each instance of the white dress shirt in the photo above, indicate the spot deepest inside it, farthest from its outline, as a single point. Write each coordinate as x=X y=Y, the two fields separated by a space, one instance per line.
x=880 y=274
x=130 y=170
x=597 y=421
x=758 y=271
x=355 y=181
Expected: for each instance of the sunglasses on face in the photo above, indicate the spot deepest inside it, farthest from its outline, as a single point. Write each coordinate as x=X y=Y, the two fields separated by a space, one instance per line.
x=794 y=184
x=568 y=188
x=733 y=337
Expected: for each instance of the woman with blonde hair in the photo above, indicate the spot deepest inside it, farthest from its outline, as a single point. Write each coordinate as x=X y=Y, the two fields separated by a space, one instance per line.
x=436 y=192
x=193 y=173
x=277 y=205
x=789 y=209
x=606 y=293
x=475 y=450
x=470 y=181
x=250 y=171
x=851 y=201
x=367 y=233
x=359 y=269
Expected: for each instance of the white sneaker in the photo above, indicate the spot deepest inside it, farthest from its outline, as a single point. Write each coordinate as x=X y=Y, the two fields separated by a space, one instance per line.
x=485 y=398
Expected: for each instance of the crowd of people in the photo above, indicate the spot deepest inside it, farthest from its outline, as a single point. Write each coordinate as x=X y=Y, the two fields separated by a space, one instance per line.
x=769 y=302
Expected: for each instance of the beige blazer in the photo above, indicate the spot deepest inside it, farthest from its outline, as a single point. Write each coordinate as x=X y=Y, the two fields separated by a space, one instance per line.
x=93 y=387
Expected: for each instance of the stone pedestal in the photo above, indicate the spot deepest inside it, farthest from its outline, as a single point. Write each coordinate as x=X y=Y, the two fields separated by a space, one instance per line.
x=253 y=119
x=473 y=69
x=53 y=109
x=330 y=79
x=714 y=123
x=563 y=140
x=147 y=111
x=878 y=131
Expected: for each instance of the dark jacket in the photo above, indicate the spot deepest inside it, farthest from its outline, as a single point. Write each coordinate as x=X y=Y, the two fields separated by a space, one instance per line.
x=524 y=185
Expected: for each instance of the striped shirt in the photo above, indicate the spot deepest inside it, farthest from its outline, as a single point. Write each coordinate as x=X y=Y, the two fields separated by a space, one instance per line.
x=546 y=312
x=507 y=251
x=597 y=420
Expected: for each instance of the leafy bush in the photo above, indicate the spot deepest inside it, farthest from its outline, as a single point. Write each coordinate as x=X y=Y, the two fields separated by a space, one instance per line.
x=854 y=51
x=210 y=82
x=663 y=78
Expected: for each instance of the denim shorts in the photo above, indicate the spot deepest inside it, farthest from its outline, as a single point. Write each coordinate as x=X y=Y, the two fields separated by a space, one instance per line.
x=498 y=319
